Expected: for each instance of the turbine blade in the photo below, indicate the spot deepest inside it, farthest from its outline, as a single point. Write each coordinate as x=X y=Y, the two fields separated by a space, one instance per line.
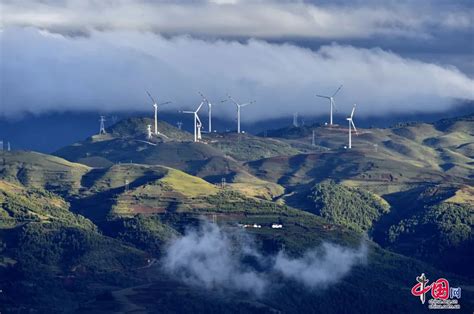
x=186 y=111
x=151 y=97
x=355 y=129
x=199 y=120
x=246 y=104
x=203 y=97
x=323 y=96
x=337 y=91
x=199 y=108
x=164 y=103
x=233 y=100
x=353 y=110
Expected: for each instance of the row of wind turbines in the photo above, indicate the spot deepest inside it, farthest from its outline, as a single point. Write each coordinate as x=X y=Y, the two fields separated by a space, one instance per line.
x=197 y=121
x=205 y=101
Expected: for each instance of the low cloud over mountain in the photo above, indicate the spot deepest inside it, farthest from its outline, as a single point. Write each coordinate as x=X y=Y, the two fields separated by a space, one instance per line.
x=217 y=259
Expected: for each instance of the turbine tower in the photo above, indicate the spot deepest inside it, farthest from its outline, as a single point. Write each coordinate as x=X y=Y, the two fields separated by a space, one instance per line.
x=238 y=110
x=351 y=125
x=102 y=125
x=156 y=105
x=295 y=119
x=209 y=111
x=197 y=122
x=331 y=102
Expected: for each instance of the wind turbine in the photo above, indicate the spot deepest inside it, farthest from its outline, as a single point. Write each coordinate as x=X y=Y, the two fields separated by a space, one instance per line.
x=351 y=125
x=197 y=122
x=102 y=125
x=209 y=110
x=238 y=110
x=332 y=102
x=156 y=105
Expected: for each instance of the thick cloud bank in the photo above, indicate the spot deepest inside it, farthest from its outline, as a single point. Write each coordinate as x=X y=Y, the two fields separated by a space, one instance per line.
x=262 y=18
x=109 y=71
x=212 y=258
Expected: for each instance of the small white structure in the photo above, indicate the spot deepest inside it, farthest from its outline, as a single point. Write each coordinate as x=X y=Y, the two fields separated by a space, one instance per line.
x=150 y=134
x=253 y=226
x=277 y=226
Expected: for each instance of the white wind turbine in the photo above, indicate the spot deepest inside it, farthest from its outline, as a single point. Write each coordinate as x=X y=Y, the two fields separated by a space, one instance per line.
x=331 y=102
x=351 y=125
x=156 y=105
x=197 y=122
x=238 y=110
x=209 y=110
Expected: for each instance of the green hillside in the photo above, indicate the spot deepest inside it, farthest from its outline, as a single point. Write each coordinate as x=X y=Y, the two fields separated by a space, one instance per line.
x=351 y=207
x=442 y=233
x=246 y=147
x=42 y=171
x=90 y=237
x=137 y=128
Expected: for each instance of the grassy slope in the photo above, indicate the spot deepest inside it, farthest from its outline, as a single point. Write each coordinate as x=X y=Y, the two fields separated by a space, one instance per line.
x=407 y=158
x=441 y=146
x=246 y=147
x=42 y=171
x=302 y=230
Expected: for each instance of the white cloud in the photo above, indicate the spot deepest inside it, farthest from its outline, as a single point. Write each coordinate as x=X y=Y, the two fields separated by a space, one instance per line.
x=208 y=258
x=320 y=267
x=212 y=258
x=110 y=70
x=236 y=18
